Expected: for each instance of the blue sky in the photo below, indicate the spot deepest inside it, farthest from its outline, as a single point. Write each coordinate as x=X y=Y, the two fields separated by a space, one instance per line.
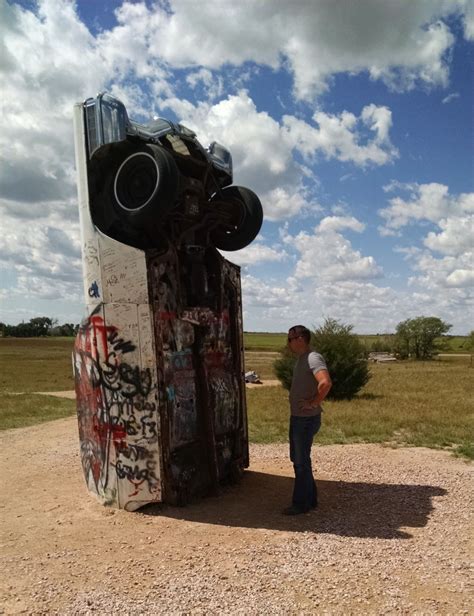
x=352 y=122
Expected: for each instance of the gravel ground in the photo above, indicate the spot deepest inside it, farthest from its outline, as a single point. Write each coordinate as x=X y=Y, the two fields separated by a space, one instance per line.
x=392 y=535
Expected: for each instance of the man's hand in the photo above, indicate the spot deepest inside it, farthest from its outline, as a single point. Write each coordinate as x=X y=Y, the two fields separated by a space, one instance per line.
x=324 y=386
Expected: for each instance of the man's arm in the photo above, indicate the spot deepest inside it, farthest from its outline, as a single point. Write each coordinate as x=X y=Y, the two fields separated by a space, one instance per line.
x=324 y=385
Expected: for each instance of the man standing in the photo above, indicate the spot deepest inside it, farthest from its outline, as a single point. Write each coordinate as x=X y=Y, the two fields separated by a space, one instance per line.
x=310 y=385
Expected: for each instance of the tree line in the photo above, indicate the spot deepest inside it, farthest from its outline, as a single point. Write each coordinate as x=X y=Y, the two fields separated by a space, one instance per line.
x=38 y=327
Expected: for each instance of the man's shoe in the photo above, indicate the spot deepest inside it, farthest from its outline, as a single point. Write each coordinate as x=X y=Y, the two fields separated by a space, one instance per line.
x=293 y=510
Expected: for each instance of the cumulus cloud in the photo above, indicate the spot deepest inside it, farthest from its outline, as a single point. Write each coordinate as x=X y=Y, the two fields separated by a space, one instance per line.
x=461 y=278
x=338 y=136
x=430 y=202
x=259 y=293
x=401 y=44
x=309 y=301
x=456 y=236
x=327 y=256
x=45 y=256
x=338 y=223
x=212 y=86
x=254 y=254
x=446 y=279
x=437 y=275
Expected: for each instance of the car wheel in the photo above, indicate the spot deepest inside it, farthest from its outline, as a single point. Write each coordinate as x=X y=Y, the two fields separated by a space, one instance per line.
x=242 y=218
x=132 y=188
x=145 y=185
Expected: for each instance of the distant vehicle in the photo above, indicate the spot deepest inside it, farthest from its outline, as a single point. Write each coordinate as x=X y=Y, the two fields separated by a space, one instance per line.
x=252 y=377
x=152 y=182
x=381 y=357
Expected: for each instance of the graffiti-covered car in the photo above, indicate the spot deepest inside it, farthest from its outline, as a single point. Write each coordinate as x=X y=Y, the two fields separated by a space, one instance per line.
x=159 y=358
x=153 y=181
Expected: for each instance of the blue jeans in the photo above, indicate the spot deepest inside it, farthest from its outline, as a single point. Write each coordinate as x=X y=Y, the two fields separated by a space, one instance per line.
x=302 y=431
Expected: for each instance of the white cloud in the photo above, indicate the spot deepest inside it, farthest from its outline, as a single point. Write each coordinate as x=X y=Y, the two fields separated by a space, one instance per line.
x=450 y=97
x=339 y=136
x=401 y=44
x=446 y=279
x=255 y=253
x=338 y=223
x=45 y=254
x=430 y=202
x=259 y=293
x=461 y=278
x=212 y=85
x=327 y=256
x=468 y=7
x=456 y=237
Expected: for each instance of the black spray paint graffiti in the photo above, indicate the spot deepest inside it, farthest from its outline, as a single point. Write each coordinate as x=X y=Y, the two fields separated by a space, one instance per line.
x=116 y=401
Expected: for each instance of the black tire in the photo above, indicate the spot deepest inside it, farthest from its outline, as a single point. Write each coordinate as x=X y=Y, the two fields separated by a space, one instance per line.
x=145 y=185
x=131 y=188
x=244 y=222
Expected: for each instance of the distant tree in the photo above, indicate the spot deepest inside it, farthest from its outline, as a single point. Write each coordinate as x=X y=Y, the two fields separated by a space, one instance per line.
x=22 y=330
x=68 y=329
x=41 y=326
x=345 y=357
x=38 y=326
x=469 y=344
x=417 y=337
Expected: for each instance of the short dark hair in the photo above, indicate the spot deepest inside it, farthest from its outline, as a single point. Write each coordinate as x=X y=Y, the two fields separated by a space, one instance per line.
x=301 y=330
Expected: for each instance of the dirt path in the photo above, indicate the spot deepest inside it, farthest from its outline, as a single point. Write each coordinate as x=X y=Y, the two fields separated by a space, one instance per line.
x=391 y=536
x=71 y=395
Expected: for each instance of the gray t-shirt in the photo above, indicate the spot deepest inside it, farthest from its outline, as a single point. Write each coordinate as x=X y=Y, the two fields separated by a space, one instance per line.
x=304 y=386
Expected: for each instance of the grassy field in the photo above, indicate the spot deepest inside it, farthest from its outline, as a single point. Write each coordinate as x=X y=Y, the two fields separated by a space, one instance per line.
x=35 y=364
x=274 y=342
x=30 y=365
x=264 y=342
x=407 y=403
x=19 y=411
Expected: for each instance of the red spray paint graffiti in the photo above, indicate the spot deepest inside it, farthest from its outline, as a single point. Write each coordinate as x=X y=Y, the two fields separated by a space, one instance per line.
x=116 y=411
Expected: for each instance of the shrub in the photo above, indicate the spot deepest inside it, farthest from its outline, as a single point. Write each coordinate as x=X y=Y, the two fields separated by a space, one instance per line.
x=344 y=355
x=283 y=367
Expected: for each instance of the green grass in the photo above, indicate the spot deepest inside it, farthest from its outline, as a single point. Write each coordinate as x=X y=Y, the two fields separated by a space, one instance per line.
x=415 y=403
x=445 y=344
x=264 y=341
x=407 y=403
x=36 y=364
x=261 y=362
x=254 y=341
x=19 y=411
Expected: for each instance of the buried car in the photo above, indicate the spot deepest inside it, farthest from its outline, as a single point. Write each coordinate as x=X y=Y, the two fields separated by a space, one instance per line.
x=154 y=181
x=158 y=360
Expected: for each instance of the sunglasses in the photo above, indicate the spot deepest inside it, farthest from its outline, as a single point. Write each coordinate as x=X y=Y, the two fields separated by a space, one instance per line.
x=290 y=338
